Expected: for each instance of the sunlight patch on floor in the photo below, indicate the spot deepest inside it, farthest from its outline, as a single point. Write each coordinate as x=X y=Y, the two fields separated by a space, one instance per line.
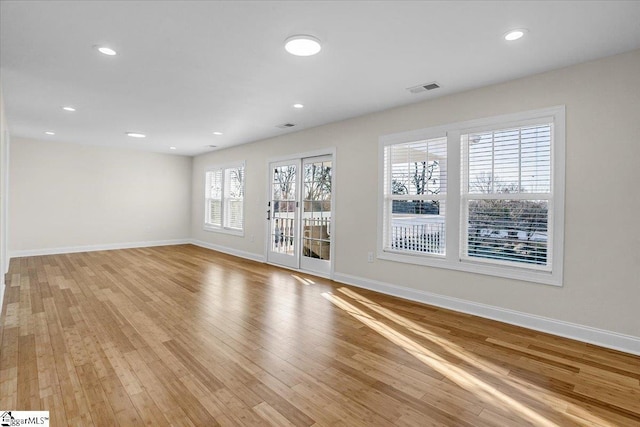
x=302 y=280
x=457 y=375
x=454 y=349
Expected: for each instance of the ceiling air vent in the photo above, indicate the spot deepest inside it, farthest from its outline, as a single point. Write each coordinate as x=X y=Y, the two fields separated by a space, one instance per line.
x=424 y=87
x=285 y=125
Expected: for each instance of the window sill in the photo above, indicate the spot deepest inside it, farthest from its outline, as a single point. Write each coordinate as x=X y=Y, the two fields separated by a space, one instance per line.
x=439 y=261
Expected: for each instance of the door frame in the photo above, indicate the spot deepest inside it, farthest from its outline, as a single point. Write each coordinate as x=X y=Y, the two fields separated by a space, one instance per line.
x=329 y=151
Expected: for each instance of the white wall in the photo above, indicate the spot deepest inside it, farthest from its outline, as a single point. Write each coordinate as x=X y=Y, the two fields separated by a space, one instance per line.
x=69 y=196
x=4 y=177
x=602 y=233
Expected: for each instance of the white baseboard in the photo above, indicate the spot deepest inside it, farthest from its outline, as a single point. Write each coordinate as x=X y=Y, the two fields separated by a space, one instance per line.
x=230 y=251
x=608 y=339
x=92 y=248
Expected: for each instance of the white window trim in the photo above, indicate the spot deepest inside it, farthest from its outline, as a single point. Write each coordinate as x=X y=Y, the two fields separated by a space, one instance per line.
x=222 y=229
x=452 y=259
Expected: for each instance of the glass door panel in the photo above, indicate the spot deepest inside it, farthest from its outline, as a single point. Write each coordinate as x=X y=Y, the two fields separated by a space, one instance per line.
x=316 y=214
x=283 y=214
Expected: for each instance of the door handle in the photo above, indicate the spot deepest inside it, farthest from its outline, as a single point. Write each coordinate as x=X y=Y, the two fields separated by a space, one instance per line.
x=269 y=215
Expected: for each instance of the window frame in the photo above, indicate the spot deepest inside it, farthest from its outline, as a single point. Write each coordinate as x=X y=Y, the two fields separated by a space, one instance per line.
x=225 y=198
x=454 y=226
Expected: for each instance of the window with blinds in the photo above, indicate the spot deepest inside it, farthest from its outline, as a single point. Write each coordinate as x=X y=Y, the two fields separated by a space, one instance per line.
x=484 y=196
x=415 y=196
x=224 y=198
x=506 y=195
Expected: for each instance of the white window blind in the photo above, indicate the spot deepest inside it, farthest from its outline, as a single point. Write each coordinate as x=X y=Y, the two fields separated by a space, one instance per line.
x=234 y=197
x=224 y=198
x=213 y=203
x=415 y=196
x=506 y=195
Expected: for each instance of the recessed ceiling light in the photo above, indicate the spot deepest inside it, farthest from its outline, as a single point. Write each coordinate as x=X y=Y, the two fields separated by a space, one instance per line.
x=68 y=109
x=50 y=133
x=106 y=50
x=217 y=133
x=172 y=148
x=136 y=135
x=298 y=106
x=302 y=45
x=513 y=35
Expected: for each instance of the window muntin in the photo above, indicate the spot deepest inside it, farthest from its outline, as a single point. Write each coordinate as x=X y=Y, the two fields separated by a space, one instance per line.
x=224 y=198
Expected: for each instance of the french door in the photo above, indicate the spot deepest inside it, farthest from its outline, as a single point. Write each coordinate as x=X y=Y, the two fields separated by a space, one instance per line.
x=300 y=213
x=282 y=214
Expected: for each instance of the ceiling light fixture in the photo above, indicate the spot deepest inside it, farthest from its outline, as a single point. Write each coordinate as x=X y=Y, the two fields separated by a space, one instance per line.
x=513 y=35
x=106 y=50
x=172 y=148
x=298 y=106
x=136 y=135
x=302 y=45
x=217 y=133
x=50 y=133
x=68 y=108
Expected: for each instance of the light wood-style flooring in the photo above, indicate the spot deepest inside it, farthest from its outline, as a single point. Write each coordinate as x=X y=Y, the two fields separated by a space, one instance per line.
x=190 y=337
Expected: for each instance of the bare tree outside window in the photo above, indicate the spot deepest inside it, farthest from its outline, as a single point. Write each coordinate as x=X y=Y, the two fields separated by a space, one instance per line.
x=423 y=180
x=318 y=182
x=285 y=177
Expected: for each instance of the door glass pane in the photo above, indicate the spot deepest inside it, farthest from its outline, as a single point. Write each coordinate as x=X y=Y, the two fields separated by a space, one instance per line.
x=316 y=213
x=283 y=207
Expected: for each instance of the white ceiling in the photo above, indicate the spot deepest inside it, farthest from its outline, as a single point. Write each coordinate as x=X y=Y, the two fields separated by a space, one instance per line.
x=185 y=69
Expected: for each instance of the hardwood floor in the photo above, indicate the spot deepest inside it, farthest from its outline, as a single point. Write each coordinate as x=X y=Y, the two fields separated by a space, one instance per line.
x=186 y=336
